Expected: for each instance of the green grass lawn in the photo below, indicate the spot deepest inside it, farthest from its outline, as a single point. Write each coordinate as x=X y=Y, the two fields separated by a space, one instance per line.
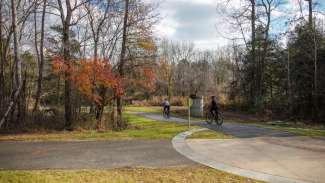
x=209 y=134
x=195 y=174
x=139 y=128
x=151 y=109
x=176 y=111
x=299 y=131
x=302 y=131
x=306 y=131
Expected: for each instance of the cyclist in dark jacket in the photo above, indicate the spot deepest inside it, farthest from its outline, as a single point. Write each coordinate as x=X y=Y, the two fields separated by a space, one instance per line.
x=214 y=106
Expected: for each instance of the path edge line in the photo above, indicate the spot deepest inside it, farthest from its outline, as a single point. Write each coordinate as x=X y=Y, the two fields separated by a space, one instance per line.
x=181 y=146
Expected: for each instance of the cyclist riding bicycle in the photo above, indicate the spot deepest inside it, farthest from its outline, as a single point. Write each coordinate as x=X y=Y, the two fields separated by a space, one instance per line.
x=214 y=107
x=166 y=106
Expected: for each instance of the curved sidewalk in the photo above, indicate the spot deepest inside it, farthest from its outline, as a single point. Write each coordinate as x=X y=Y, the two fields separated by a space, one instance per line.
x=270 y=159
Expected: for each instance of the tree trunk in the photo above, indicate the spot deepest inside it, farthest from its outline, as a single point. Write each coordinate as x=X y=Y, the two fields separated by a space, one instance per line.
x=94 y=107
x=66 y=23
x=67 y=83
x=17 y=81
x=290 y=99
x=254 y=69
x=119 y=102
x=315 y=92
x=17 y=61
x=100 y=107
x=2 y=84
x=268 y=11
x=23 y=100
x=310 y=16
x=11 y=105
x=18 y=74
x=41 y=58
x=170 y=85
x=312 y=28
x=67 y=86
x=96 y=48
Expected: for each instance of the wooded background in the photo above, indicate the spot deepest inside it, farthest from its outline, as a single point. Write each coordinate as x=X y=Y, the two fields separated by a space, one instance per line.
x=68 y=61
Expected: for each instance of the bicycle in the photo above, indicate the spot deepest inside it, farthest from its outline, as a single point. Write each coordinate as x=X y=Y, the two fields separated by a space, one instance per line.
x=214 y=118
x=166 y=113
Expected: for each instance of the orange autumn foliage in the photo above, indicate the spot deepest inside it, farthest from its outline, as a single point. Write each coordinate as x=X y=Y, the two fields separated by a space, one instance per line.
x=150 y=78
x=88 y=76
x=147 y=45
x=144 y=79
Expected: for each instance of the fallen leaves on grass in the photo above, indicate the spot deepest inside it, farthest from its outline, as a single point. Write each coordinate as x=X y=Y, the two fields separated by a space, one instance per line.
x=195 y=174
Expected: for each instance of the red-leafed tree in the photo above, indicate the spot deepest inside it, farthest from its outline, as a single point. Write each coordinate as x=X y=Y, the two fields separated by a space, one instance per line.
x=142 y=80
x=94 y=78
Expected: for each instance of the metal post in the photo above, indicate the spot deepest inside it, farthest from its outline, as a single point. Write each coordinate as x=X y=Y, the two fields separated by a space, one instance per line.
x=189 y=112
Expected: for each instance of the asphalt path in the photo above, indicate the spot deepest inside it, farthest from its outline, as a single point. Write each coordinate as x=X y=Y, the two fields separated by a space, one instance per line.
x=89 y=155
x=235 y=129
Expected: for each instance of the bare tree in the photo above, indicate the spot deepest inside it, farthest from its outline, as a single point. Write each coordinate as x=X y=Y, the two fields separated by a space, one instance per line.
x=310 y=13
x=67 y=22
x=1 y=60
x=18 y=64
x=121 y=64
x=97 y=20
x=40 y=54
x=253 y=45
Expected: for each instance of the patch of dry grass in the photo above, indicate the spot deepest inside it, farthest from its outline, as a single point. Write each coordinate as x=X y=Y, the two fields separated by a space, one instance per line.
x=197 y=174
x=209 y=134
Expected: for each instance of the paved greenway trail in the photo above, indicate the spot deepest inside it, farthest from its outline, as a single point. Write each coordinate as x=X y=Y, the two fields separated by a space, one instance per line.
x=260 y=153
x=89 y=154
x=237 y=130
x=257 y=152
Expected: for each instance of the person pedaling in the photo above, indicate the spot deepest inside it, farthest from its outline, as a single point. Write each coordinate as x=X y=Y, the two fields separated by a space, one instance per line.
x=214 y=107
x=166 y=107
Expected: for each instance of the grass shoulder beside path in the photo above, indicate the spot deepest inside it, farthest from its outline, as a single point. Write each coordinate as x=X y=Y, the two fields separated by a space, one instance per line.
x=209 y=134
x=143 y=128
x=151 y=109
x=304 y=131
x=139 y=128
x=175 y=111
x=196 y=174
x=299 y=131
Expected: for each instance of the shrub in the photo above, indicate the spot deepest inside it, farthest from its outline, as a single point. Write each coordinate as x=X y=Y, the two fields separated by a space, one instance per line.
x=158 y=100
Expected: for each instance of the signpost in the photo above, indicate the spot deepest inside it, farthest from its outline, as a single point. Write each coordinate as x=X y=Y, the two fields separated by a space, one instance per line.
x=189 y=112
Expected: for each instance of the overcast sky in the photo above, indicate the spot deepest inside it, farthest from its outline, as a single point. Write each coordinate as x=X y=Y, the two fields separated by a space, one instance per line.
x=197 y=21
x=190 y=20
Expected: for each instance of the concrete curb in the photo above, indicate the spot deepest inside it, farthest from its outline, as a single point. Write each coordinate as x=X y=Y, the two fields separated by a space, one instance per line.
x=180 y=146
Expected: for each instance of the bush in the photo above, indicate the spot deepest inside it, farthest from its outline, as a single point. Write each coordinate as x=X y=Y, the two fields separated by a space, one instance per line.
x=158 y=100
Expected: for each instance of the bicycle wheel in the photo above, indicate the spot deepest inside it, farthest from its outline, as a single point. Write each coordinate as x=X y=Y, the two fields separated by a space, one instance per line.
x=219 y=120
x=165 y=114
x=209 y=118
